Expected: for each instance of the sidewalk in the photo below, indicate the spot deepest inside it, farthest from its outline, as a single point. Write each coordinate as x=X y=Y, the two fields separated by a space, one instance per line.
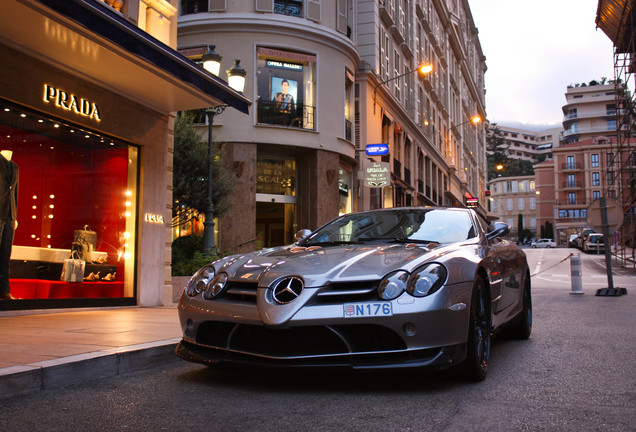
x=46 y=349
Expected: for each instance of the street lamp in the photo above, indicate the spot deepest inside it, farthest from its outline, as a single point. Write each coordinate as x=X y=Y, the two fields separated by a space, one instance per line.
x=236 y=79
x=474 y=120
x=212 y=61
x=424 y=69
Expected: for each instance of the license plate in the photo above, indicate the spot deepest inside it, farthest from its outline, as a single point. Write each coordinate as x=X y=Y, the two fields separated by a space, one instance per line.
x=353 y=310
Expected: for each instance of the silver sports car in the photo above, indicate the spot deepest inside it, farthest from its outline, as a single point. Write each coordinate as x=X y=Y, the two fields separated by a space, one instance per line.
x=401 y=287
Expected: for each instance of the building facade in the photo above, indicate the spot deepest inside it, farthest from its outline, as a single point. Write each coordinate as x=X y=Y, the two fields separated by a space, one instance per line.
x=580 y=176
x=437 y=154
x=522 y=144
x=350 y=68
x=513 y=200
x=294 y=155
x=89 y=139
x=590 y=111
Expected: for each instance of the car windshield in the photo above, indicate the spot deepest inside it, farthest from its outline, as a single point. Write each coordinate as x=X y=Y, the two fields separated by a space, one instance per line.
x=408 y=226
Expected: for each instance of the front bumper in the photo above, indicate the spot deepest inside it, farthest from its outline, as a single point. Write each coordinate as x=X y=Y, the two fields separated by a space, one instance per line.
x=422 y=332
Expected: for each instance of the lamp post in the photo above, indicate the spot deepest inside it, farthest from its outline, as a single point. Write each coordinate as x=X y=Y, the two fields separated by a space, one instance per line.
x=208 y=226
x=236 y=80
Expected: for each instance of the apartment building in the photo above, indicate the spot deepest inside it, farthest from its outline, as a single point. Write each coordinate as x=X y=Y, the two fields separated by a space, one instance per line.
x=579 y=174
x=590 y=111
x=437 y=154
x=351 y=69
x=523 y=144
x=512 y=197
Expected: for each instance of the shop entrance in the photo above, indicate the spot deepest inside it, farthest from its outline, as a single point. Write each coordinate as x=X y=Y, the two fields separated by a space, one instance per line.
x=275 y=224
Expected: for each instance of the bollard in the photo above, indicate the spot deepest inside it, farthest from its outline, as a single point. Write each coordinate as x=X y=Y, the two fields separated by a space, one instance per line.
x=575 y=273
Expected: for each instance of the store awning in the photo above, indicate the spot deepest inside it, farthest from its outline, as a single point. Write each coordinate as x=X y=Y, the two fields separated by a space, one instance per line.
x=91 y=41
x=614 y=18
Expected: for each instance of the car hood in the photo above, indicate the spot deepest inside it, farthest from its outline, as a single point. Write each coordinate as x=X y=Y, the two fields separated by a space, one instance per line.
x=318 y=265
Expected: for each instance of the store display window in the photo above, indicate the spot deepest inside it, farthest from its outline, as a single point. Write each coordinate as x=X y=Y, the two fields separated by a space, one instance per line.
x=76 y=209
x=286 y=88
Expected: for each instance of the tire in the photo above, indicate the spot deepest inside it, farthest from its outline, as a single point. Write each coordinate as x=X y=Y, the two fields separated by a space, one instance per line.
x=534 y=246
x=475 y=367
x=521 y=326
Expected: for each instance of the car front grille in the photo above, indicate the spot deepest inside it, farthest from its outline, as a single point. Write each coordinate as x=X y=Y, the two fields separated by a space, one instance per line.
x=293 y=342
x=342 y=292
x=332 y=293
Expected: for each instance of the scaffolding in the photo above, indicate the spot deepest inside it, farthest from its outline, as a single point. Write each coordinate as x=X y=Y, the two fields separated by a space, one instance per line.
x=617 y=19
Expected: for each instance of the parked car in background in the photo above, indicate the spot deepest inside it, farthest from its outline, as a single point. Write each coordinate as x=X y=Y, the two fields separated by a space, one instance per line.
x=543 y=243
x=594 y=243
x=572 y=240
x=401 y=287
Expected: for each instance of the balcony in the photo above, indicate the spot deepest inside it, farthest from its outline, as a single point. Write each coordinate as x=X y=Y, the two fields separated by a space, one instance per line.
x=302 y=116
x=420 y=186
x=572 y=185
x=571 y=166
x=596 y=130
x=407 y=176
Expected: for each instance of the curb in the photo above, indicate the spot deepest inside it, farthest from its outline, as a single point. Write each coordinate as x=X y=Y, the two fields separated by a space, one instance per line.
x=51 y=374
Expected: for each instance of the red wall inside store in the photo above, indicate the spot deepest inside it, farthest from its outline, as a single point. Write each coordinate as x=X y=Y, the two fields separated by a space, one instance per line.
x=88 y=187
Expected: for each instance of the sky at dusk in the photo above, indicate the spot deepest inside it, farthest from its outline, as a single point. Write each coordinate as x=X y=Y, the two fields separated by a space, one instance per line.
x=534 y=50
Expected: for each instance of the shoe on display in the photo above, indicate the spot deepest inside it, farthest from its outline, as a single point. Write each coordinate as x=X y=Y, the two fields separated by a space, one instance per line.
x=92 y=277
x=110 y=277
x=8 y=296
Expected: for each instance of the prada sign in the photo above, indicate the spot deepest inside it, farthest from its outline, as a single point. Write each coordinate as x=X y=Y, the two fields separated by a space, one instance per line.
x=71 y=102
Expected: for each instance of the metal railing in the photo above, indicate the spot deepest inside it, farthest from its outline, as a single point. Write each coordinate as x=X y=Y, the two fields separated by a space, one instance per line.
x=302 y=116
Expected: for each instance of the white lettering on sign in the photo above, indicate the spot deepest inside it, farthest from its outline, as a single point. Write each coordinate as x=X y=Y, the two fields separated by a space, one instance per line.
x=377 y=175
x=153 y=218
x=70 y=102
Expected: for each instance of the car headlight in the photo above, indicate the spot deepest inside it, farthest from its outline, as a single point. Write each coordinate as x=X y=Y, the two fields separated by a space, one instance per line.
x=216 y=286
x=393 y=285
x=426 y=280
x=199 y=282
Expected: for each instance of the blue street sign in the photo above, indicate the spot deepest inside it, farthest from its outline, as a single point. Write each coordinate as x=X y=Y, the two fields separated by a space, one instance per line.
x=377 y=149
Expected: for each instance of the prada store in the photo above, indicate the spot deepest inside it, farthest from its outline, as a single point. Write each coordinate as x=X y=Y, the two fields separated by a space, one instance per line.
x=86 y=119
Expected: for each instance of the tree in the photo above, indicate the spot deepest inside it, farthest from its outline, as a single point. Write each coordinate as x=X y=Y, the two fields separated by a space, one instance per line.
x=496 y=152
x=190 y=170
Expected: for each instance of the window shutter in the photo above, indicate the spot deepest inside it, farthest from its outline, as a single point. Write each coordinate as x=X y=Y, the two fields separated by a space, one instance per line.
x=264 y=6
x=313 y=10
x=341 y=16
x=217 y=5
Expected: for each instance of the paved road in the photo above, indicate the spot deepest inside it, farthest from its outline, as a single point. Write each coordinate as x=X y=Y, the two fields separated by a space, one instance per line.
x=575 y=373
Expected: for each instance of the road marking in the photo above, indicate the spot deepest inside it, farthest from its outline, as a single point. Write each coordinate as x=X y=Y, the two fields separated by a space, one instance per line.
x=538 y=266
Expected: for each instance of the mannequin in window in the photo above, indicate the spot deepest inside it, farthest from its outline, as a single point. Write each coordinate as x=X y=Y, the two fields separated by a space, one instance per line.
x=8 y=217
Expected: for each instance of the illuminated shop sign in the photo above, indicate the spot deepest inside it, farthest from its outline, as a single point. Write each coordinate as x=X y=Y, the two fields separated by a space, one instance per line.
x=71 y=102
x=377 y=149
x=283 y=65
x=472 y=202
x=154 y=218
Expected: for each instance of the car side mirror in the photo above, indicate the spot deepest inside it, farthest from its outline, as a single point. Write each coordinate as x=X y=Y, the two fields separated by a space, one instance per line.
x=302 y=234
x=499 y=229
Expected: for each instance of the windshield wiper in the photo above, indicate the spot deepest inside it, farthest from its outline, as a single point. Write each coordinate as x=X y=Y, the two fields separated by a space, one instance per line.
x=333 y=243
x=408 y=240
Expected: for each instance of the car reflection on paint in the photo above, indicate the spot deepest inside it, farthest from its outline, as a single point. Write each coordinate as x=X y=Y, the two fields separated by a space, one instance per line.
x=403 y=287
